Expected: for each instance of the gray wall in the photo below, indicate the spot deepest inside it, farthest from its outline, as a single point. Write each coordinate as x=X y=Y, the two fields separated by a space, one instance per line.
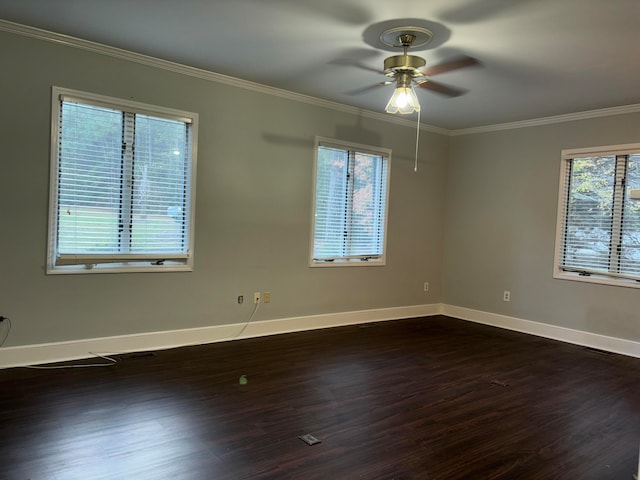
x=253 y=208
x=478 y=218
x=501 y=207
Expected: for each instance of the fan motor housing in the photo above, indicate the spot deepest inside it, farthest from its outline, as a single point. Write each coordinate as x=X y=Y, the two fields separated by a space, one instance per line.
x=398 y=63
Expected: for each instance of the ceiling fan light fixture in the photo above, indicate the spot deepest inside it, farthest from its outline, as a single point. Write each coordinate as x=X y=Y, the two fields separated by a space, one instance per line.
x=403 y=101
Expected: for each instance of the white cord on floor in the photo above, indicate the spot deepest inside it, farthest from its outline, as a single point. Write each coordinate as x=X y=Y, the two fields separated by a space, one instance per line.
x=415 y=166
x=6 y=335
x=112 y=361
x=255 y=309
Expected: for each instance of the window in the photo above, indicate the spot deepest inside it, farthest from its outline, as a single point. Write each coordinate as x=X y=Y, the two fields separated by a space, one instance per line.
x=122 y=186
x=599 y=216
x=350 y=204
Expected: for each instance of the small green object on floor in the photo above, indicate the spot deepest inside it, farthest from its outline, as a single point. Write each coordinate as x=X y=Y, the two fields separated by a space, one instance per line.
x=243 y=380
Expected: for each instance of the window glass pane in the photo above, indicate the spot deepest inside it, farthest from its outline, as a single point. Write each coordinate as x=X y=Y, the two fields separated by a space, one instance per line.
x=588 y=226
x=367 y=213
x=160 y=186
x=630 y=249
x=331 y=203
x=89 y=176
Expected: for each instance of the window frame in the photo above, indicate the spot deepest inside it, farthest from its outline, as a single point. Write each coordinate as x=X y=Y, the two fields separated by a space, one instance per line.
x=354 y=260
x=117 y=262
x=564 y=272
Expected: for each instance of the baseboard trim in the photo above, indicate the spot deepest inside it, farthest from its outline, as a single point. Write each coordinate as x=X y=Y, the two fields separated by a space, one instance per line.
x=20 y=356
x=568 y=335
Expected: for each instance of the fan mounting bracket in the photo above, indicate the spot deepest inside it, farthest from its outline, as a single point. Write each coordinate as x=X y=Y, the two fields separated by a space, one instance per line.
x=416 y=37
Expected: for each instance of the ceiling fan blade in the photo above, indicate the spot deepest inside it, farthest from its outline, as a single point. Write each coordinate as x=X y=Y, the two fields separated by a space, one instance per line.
x=368 y=88
x=455 y=64
x=355 y=57
x=336 y=10
x=354 y=63
x=339 y=10
x=480 y=10
x=442 y=89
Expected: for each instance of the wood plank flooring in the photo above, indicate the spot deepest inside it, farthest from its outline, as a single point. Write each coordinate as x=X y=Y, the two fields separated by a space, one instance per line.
x=431 y=398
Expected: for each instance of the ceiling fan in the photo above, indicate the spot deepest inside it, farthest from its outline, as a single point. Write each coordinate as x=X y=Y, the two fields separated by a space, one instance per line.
x=407 y=71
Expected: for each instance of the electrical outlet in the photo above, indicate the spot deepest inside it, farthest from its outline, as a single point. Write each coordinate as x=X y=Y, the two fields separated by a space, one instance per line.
x=256 y=297
x=266 y=297
x=506 y=296
x=240 y=299
x=426 y=286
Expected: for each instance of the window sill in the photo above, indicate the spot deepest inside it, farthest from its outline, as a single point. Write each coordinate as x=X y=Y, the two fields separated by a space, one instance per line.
x=348 y=263
x=119 y=268
x=597 y=279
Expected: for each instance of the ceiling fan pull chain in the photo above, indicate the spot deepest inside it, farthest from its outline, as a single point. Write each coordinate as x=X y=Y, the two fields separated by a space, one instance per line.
x=415 y=166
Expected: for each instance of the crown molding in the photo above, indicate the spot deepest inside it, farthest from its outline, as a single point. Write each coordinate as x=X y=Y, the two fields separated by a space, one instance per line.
x=570 y=117
x=202 y=74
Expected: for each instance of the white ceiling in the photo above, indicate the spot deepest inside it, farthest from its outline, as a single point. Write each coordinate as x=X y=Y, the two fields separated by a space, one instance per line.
x=538 y=58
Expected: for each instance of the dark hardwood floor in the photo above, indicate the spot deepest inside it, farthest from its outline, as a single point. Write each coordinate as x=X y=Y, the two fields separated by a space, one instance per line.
x=432 y=398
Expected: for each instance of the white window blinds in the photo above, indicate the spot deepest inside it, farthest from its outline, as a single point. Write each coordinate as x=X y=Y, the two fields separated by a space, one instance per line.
x=600 y=222
x=123 y=186
x=630 y=229
x=351 y=187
